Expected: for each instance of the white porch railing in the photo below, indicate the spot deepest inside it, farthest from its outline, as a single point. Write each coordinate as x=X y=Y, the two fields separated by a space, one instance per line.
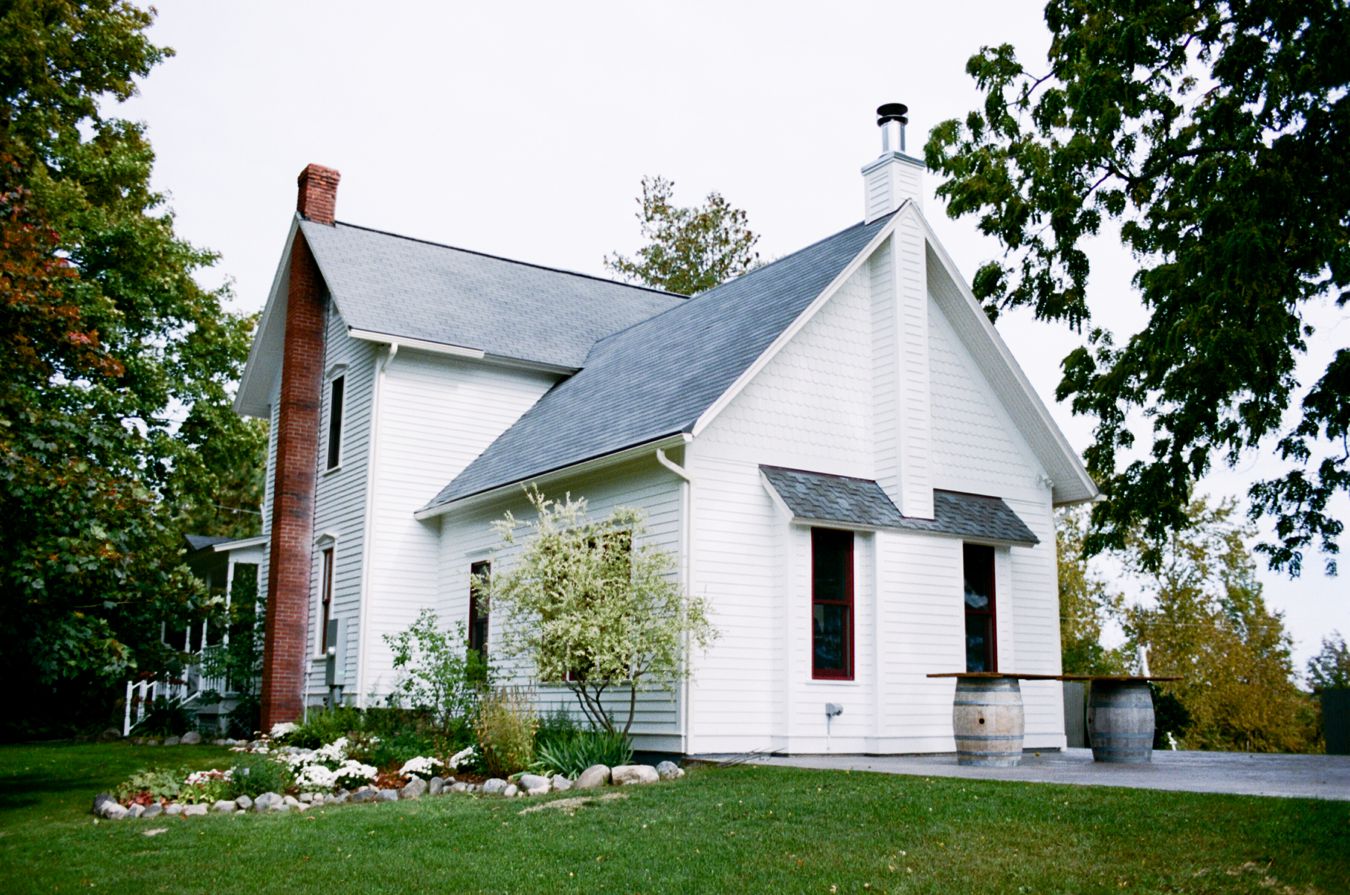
x=141 y=695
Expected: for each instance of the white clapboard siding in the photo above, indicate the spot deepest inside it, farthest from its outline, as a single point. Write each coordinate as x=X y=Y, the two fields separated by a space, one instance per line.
x=269 y=482
x=340 y=496
x=436 y=414
x=467 y=537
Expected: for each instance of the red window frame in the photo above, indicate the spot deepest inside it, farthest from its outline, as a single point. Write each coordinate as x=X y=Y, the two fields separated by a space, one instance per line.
x=839 y=542
x=971 y=554
x=478 y=611
x=325 y=598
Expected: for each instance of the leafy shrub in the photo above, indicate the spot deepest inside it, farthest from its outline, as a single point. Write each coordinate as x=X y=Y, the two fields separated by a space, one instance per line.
x=165 y=719
x=323 y=727
x=254 y=775
x=393 y=749
x=558 y=724
x=438 y=673
x=151 y=785
x=505 y=726
x=244 y=718
x=570 y=755
x=207 y=786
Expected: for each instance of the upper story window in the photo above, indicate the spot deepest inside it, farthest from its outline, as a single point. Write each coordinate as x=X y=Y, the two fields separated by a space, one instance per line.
x=831 y=604
x=479 y=573
x=336 y=388
x=981 y=645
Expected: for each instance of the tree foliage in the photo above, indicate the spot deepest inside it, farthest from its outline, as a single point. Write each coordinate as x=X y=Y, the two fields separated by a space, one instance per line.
x=1085 y=603
x=1214 y=133
x=1330 y=668
x=688 y=250
x=592 y=607
x=1204 y=620
x=115 y=365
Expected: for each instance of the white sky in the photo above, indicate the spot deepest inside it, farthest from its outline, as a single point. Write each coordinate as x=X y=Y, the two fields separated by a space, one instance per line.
x=523 y=130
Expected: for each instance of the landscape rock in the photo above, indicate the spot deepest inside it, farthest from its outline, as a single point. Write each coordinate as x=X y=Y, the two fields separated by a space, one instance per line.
x=669 y=770
x=306 y=797
x=171 y=741
x=387 y=795
x=269 y=801
x=197 y=810
x=191 y=738
x=364 y=794
x=534 y=785
x=244 y=802
x=319 y=799
x=291 y=801
x=152 y=811
x=135 y=811
x=224 y=806
x=110 y=735
x=173 y=809
x=460 y=787
x=413 y=789
x=435 y=786
x=560 y=783
x=511 y=791
x=595 y=776
x=106 y=806
x=627 y=774
x=338 y=798
x=494 y=786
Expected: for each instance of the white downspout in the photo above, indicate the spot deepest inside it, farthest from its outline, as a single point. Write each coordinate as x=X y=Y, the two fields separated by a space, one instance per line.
x=687 y=573
x=367 y=538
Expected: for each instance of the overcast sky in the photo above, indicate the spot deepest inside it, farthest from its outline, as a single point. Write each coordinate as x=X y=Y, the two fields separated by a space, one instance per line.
x=523 y=130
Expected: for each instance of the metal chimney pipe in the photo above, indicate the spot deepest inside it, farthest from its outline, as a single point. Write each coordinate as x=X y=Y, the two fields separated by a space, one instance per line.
x=892 y=118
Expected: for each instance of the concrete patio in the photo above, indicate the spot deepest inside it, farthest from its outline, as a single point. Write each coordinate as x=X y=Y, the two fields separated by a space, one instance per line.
x=1238 y=773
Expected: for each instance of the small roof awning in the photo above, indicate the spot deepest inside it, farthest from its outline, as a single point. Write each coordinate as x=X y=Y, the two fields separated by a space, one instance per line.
x=847 y=501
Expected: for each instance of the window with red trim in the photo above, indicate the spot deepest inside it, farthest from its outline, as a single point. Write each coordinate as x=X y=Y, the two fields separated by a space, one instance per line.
x=831 y=604
x=478 y=606
x=325 y=598
x=981 y=640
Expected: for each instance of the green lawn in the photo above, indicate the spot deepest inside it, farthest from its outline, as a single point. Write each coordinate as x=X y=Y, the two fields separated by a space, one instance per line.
x=739 y=829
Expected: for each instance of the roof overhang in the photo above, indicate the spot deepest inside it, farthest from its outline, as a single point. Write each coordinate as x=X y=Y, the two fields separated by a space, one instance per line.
x=254 y=397
x=543 y=479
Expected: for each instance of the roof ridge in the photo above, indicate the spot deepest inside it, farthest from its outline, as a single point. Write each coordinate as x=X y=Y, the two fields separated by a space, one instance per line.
x=572 y=273
x=690 y=299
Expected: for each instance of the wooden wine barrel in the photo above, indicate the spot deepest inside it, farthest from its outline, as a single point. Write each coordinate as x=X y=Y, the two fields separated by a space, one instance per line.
x=988 y=723
x=1120 y=721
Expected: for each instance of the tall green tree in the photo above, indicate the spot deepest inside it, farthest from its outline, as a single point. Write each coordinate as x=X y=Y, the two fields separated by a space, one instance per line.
x=1204 y=620
x=689 y=249
x=1214 y=133
x=1330 y=668
x=1086 y=603
x=116 y=367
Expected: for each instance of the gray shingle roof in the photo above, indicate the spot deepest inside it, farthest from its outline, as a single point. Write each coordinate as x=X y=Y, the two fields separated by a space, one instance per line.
x=201 y=542
x=405 y=287
x=821 y=497
x=657 y=377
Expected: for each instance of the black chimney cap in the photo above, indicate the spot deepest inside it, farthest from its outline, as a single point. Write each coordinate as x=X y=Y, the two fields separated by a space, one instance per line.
x=892 y=112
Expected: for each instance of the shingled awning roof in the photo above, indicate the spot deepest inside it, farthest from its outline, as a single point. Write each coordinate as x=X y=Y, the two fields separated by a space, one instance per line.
x=656 y=378
x=844 y=500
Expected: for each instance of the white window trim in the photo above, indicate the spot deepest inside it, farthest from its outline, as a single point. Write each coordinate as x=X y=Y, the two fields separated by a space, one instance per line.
x=324 y=542
x=335 y=372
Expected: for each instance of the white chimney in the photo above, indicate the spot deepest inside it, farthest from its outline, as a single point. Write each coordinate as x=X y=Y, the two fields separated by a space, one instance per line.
x=894 y=176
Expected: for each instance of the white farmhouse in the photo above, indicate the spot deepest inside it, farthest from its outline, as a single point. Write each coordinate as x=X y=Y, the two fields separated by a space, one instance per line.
x=838 y=447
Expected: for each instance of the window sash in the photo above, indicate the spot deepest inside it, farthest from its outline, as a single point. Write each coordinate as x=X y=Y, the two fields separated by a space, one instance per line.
x=478 y=614
x=981 y=622
x=832 y=600
x=325 y=599
x=336 y=391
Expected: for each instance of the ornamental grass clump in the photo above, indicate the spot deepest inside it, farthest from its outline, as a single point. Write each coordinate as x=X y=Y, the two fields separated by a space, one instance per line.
x=573 y=753
x=505 y=727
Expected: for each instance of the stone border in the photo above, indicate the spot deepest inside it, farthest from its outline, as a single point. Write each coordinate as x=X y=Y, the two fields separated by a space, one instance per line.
x=524 y=785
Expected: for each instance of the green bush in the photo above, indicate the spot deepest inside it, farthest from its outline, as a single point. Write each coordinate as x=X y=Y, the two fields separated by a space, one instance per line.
x=438 y=673
x=505 y=726
x=326 y=725
x=165 y=718
x=570 y=755
x=557 y=725
x=159 y=783
x=254 y=775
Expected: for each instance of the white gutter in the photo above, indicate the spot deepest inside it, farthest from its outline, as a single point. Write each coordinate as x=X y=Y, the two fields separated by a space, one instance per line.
x=367 y=542
x=445 y=348
x=554 y=475
x=686 y=573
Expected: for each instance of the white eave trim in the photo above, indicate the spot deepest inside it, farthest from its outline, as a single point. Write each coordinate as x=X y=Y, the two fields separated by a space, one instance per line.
x=463 y=351
x=244 y=404
x=554 y=475
x=787 y=335
x=228 y=546
x=1033 y=401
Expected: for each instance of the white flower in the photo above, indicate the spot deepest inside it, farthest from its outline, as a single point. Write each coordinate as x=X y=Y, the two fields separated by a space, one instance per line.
x=461 y=757
x=281 y=728
x=422 y=766
x=352 y=773
x=315 y=776
x=333 y=752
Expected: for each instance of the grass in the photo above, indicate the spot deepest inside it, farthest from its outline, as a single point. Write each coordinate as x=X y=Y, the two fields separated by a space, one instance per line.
x=741 y=829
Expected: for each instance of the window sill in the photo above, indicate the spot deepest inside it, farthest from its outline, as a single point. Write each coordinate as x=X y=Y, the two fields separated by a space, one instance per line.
x=333 y=469
x=833 y=682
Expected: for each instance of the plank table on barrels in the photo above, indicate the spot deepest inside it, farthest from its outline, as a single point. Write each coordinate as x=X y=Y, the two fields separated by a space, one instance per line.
x=1120 y=718
x=987 y=717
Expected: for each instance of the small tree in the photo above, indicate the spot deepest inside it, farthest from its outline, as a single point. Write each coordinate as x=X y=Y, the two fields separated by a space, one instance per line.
x=438 y=672
x=688 y=250
x=593 y=608
x=1330 y=668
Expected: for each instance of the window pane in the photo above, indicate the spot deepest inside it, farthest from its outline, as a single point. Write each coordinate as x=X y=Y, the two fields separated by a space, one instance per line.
x=832 y=556
x=978 y=643
x=335 y=424
x=830 y=638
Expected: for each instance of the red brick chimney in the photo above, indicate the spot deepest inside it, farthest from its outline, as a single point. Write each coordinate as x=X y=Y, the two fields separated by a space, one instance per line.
x=286 y=650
